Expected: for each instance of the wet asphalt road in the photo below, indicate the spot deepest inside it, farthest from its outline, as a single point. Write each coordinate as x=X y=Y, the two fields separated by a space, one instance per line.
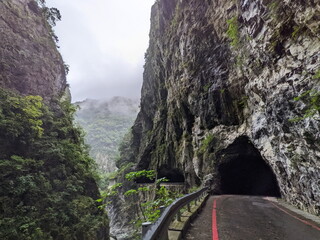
x=250 y=218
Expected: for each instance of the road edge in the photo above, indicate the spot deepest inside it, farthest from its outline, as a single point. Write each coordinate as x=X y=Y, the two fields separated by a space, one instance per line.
x=294 y=209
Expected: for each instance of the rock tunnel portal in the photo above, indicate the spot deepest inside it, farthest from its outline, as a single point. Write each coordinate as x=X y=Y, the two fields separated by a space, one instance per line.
x=243 y=171
x=173 y=175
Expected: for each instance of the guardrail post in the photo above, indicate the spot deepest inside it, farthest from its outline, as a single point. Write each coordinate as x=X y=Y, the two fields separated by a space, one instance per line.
x=145 y=227
x=166 y=236
x=159 y=230
x=162 y=208
x=179 y=216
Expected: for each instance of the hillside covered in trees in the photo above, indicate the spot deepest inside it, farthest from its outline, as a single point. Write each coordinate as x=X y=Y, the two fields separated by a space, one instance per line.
x=106 y=123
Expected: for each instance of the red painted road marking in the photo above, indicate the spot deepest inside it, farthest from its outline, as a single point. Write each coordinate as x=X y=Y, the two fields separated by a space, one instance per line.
x=301 y=220
x=214 y=222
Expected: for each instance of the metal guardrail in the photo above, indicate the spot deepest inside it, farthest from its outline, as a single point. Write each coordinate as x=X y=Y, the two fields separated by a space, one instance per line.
x=159 y=230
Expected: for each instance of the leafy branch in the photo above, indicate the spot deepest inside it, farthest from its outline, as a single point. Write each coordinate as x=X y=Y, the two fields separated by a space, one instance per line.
x=150 y=174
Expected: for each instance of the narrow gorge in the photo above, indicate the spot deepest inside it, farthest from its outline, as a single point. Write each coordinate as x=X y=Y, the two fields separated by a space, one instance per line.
x=230 y=100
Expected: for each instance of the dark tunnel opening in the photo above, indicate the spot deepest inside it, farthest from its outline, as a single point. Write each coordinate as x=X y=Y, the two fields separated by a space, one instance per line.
x=243 y=171
x=173 y=175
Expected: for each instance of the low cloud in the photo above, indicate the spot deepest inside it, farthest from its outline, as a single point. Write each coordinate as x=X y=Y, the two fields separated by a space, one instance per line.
x=104 y=42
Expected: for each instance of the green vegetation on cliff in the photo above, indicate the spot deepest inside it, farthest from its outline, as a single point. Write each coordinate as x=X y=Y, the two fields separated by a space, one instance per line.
x=311 y=99
x=47 y=186
x=233 y=31
x=144 y=200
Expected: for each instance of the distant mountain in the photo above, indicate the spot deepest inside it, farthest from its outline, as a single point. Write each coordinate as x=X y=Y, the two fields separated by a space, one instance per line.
x=106 y=122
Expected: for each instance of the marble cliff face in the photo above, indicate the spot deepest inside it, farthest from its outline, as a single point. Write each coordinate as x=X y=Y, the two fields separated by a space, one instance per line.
x=219 y=84
x=29 y=60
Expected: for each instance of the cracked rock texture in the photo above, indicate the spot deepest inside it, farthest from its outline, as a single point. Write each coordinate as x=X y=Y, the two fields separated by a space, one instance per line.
x=206 y=86
x=29 y=60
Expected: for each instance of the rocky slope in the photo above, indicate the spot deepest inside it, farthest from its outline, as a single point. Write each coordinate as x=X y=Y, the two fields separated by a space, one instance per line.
x=219 y=86
x=106 y=122
x=47 y=184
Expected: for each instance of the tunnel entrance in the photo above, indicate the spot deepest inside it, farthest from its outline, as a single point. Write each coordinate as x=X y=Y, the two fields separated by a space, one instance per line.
x=243 y=171
x=173 y=175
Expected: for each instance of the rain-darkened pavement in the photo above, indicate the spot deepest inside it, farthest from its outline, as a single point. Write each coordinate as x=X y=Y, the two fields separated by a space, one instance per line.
x=234 y=217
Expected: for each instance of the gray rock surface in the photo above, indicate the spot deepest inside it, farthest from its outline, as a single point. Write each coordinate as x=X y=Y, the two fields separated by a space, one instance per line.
x=205 y=86
x=29 y=60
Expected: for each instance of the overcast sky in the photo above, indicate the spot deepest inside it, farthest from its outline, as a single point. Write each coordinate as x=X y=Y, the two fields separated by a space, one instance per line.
x=103 y=42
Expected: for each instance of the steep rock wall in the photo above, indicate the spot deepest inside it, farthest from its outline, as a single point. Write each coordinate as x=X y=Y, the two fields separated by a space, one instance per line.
x=48 y=189
x=29 y=60
x=217 y=71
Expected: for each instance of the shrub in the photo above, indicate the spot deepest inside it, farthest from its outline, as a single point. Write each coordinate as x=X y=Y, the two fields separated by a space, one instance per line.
x=233 y=31
x=47 y=187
